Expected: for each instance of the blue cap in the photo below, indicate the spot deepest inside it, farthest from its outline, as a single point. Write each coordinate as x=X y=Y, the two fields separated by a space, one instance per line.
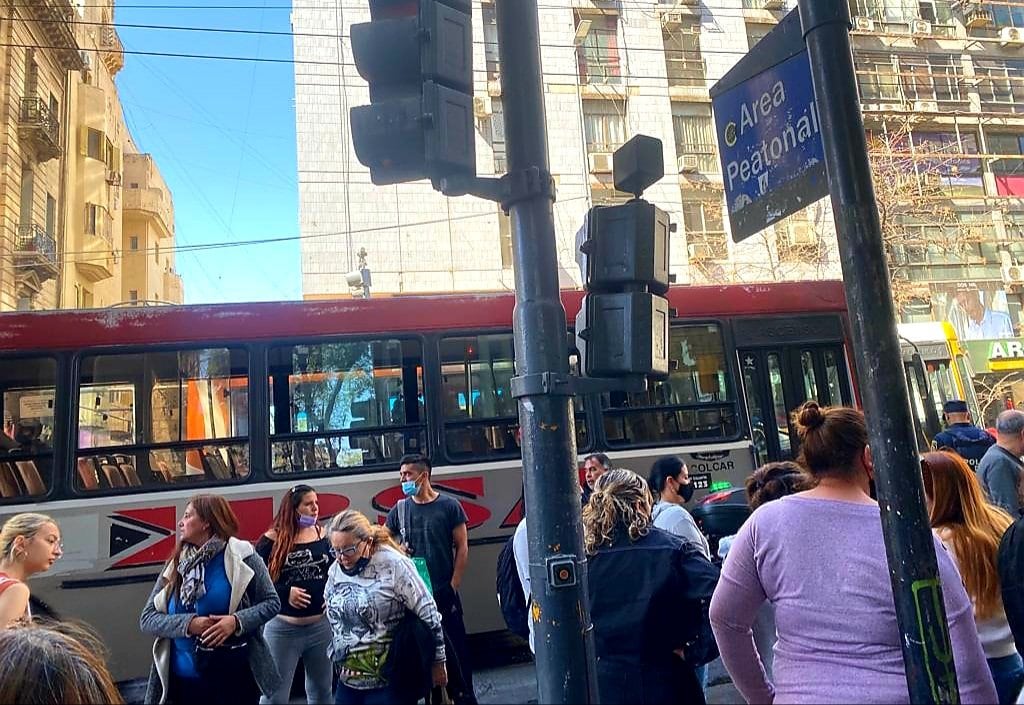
x=954 y=406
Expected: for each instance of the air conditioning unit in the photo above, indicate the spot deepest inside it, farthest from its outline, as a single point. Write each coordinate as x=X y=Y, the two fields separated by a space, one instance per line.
x=863 y=24
x=494 y=85
x=798 y=234
x=920 y=28
x=699 y=250
x=1013 y=274
x=1010 y=36
x=931 y=178
x=600 y=162
x=668 y=18
x=687 y=163
x=924 y=106
x=86 y=60
x=482 y=106
x=774 y=4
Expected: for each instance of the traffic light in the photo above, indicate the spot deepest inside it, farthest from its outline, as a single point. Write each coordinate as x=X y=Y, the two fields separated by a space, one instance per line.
x=622 y=326
x=417 y=56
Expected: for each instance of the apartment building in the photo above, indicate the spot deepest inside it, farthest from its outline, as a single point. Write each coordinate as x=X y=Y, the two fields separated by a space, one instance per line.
x=64 y=146
x=942 y=87
x=148 y=273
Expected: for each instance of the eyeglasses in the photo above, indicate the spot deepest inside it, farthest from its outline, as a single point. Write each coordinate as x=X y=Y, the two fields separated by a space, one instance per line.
x=347 y=551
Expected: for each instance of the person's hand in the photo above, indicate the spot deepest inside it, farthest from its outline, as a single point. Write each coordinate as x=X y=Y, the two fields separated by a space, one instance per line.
x=440 y=675
x=198 y=625
x=298 y=598
x=223 y=626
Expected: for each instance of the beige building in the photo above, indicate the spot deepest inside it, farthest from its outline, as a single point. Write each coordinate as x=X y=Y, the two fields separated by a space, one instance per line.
x=148 y=274
x=64 y=151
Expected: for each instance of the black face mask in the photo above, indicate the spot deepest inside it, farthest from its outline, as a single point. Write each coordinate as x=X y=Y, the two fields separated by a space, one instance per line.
x=357 y=568
x=686 y=491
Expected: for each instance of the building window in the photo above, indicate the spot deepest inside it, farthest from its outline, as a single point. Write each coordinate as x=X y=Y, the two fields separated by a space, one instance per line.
x=598 y=55
x=1007 y=164
x=1000 y=84
x=156 y=253
x=133 y=243
x=694 y=137
x=604 y=122
x=86 y=298
x=705 y=233
x=877 y=78
x=941 y=158
x=756 y=32
x=93 y=143
x=683 y=61
x=1006 y=15
x=92 y=214
x=491 y=55
x=133 y=295
x=936 y=77
x=934 y=11
x=51 y=216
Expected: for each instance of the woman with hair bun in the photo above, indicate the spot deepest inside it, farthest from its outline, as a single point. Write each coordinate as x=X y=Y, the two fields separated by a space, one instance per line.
x=649 y=592
x=819 y=558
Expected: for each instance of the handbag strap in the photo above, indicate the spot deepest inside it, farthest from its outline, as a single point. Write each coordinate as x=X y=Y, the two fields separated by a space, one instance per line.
x=403 y=510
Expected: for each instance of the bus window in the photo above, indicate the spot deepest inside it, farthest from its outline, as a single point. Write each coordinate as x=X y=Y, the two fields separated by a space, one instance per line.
x=942 y=383
x=345 y=404
x=779 y=404
x=807 y=373
x=27 y=392
x=696 y=402
x=480 y=414
x=833 y=380
x=163 y=417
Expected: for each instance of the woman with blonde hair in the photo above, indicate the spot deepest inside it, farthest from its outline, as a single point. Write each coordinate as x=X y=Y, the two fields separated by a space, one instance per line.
x=59 y=664
x=29 y=544
x=970 y=528
x=649 y=592
x=207 y=612
x=370 y=588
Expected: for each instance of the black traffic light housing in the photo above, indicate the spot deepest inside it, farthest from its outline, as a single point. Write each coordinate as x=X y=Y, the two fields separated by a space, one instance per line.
x=417 y=56
x=622 y=327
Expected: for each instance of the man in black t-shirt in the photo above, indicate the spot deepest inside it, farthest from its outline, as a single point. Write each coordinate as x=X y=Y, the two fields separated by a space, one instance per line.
x=433 y=527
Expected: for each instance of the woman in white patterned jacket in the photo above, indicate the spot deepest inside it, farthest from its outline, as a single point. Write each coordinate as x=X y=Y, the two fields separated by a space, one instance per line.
x=369 y=589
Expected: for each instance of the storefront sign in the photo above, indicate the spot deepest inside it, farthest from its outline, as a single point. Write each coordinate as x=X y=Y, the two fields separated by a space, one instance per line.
x=1005 y=354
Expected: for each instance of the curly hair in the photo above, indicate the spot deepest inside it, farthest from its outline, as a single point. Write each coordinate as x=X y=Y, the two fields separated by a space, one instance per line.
x=620 y=503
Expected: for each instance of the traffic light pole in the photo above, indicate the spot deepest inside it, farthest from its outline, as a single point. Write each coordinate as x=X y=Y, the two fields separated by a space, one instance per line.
x=558 y=571
x=910 y=548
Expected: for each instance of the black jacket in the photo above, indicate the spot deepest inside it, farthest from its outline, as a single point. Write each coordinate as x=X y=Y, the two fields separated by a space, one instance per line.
x=648 y=599
x=1010 y=562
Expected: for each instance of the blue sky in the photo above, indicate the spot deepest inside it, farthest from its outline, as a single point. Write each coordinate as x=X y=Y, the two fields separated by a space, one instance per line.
x=223 y=135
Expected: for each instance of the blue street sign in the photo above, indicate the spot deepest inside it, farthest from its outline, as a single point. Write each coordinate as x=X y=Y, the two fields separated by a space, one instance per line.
x=769 y=137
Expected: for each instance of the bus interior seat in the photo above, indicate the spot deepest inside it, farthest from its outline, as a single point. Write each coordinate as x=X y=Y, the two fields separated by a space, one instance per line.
x=216 y=465
x=130 y=475
x=9 y=486
x=30 y=477
x=239 y=461
x=115 y=478
x=88 y=474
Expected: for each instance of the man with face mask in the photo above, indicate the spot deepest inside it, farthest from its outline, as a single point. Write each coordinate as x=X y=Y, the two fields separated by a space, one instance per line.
x=670 y=483
x=432 y=529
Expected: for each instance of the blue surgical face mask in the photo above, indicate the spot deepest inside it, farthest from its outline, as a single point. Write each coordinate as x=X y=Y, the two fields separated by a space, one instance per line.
x=306 y=521
x=409 y=488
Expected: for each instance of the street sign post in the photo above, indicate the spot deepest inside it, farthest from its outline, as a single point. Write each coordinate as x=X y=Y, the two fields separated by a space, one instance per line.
x=779 y=139
x=773 y=161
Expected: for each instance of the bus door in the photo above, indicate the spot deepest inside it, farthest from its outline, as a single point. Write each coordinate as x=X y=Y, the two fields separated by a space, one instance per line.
x=778 y=380
x=783 y=362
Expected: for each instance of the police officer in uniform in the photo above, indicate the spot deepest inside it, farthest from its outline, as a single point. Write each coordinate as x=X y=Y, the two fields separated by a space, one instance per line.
x=962 y=436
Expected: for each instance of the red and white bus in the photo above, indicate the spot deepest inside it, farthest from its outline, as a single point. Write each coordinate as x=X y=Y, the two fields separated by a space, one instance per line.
x=120 y=415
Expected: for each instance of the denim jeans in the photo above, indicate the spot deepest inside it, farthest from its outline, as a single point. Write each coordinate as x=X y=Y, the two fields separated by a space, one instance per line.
x=290 y=642
x=1008 y=674
x=372 y=696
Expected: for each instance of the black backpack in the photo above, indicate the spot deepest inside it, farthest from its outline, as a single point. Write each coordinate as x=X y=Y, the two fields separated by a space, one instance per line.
x=510 y=592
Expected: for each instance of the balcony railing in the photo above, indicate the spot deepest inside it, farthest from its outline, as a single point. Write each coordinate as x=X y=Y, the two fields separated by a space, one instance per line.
x=41 y=127
x=35 y=250
x=687 y=72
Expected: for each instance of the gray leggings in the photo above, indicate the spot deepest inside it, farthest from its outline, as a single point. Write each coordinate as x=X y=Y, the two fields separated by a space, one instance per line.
x=288 y=643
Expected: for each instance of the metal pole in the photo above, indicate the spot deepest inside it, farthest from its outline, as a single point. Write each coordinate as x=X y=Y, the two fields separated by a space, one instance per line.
x=561 y=619
x=920 y=612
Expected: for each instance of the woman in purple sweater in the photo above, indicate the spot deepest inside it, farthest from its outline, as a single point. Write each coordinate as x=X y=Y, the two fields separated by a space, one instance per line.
x=818 y=557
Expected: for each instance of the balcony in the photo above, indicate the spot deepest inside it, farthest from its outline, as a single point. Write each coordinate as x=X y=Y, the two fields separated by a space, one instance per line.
x=174 y=290
x=98 y=260
x=35 y=251
x=113 y=177
x=40 y=127
x=687 y=77
x=111 y=49
x=154 y=203
x=58 y=27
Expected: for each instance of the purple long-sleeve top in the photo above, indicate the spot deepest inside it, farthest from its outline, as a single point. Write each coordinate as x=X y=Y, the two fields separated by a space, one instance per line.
x=821 y=563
